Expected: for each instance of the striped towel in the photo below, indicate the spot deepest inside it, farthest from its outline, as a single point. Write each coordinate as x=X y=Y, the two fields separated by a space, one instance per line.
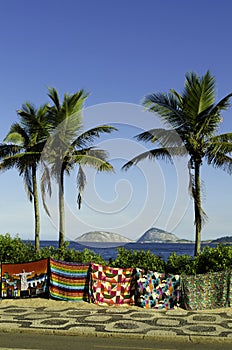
x=69 y=281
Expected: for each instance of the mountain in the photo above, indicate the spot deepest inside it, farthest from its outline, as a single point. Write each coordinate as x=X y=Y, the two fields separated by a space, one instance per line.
x=156 y=235
x=102 y=236
x=225 y=240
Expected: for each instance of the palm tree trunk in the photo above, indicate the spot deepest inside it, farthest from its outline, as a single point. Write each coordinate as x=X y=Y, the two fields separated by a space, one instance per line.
x=36 y=210
x=198 y=210
x=61 y=210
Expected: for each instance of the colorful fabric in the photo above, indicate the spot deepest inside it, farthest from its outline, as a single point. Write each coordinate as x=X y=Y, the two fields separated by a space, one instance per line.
x=157 y=290
x=206 y=291
x=69 y=281
x=112 y=286
x=25 y=280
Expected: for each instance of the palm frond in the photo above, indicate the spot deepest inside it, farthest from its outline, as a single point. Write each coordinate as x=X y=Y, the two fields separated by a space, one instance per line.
x=34 y=121
x=166 y=138
x=8 y=150
x=89 y=136
x=159 y=153
x=178 y=96
x=223 y=104
x=71 y=105
x=16 y=128
x=166 y=106
x=45 y=186
x=27 y=177
x=93 y=161
x=220 y=160
x=198 y=95
x=226 y=137
x=81 y=182
x=53 y=95
x=14 y=138
x=209 y=119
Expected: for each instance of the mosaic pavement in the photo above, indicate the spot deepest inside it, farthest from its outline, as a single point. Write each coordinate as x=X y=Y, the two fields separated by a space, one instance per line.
x=112 y=321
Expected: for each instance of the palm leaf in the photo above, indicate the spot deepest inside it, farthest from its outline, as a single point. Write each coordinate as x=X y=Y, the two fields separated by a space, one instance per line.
x=198 y=95
x=9 y=150
x=45 y=186
x=81 y=182
x=159 y=153
x=166 y=138
x=88 y=137
x=92 y=161
x=167 y=107
x=27 y=176
x=209 y=119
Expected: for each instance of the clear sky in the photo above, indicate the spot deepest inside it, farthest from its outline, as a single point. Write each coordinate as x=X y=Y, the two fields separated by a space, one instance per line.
x=119 y=51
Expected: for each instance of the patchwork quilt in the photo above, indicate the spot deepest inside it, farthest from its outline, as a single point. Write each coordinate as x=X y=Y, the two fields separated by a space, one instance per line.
x=157 y=290
x=112 y=286
x=69 y=281
x=25 y=280
x=206 y=291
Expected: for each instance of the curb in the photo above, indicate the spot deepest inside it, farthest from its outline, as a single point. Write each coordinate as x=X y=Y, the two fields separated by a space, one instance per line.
x=158 y=337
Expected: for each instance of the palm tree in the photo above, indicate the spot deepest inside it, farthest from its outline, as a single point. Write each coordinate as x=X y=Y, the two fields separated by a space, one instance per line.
x=21 y=149
x=194 y=117
x=68 y=147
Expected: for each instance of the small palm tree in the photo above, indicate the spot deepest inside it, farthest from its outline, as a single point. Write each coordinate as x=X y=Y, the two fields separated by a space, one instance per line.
x=194 y=117
x=68 y=147
x=22 y=148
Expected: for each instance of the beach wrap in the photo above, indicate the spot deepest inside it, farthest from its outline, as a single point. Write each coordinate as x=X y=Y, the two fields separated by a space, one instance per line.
x=111 y=285
x=206 y=291
x=25 y=280
x=69 y=281
x=157 y=290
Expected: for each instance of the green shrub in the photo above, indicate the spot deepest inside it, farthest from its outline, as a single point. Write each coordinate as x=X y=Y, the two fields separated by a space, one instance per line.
x=215 y=259
x=138 y=258
x=178 y=264
x=14 y=250
x=70 y=254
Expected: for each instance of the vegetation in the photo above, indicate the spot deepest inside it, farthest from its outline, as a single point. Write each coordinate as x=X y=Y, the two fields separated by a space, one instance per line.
x=68 y=147
x=138 y=258
x=58 y=127
x=193 y=119
x=22 y=148
x=14 y=250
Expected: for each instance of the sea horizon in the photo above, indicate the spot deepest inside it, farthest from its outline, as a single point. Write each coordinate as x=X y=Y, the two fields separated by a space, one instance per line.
x=108 y=250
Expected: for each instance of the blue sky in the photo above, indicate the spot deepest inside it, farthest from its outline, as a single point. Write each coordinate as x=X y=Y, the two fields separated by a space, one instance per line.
x=119 y=51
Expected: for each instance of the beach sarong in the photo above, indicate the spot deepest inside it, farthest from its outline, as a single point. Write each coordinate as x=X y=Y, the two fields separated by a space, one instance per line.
x=69 y=281
x=206 y=291
x=157 y=290
x=25 y=280
x=112 y=286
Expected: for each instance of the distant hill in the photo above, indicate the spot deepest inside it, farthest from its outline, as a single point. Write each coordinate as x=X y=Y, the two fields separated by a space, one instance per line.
x=225 y=240
x=156 y=235
x=102 y=236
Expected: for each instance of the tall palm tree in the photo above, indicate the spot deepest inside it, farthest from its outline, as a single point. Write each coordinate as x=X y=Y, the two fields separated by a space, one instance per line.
x=21 y=149
x=195 y=117
x=69 y=147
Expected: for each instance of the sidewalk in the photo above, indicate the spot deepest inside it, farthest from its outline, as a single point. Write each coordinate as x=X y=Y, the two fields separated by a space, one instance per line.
x=68 y=318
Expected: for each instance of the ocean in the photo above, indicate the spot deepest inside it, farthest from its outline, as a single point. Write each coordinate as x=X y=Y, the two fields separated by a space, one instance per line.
x=109 y=250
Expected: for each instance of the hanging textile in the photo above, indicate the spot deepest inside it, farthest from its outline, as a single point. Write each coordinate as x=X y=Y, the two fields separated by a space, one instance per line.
x=25 y=280
x=157 y=290
x=206 y=291
x=69 y=281
x=112 y=286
